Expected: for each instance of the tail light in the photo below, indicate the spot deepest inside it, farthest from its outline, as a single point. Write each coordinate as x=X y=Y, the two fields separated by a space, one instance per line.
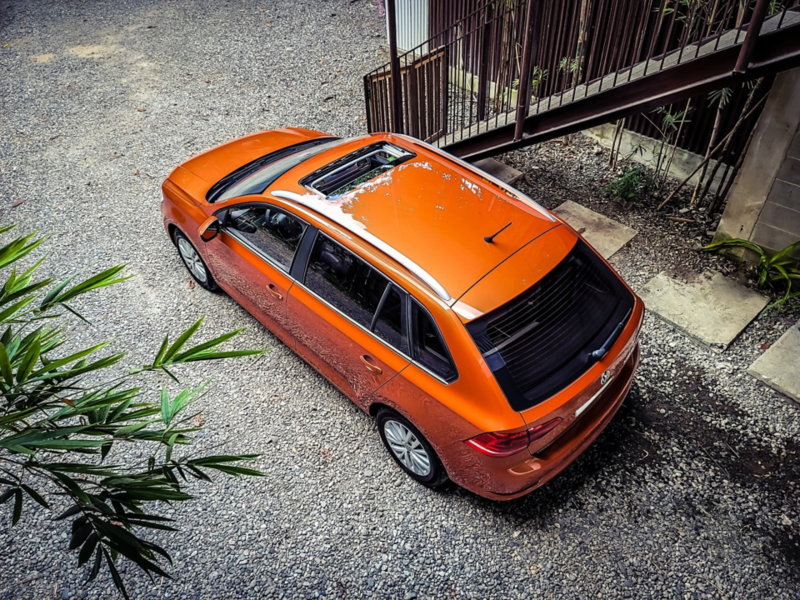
x=504 y=443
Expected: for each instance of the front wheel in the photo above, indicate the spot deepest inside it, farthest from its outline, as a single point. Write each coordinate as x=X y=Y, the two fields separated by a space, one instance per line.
x=410 y=449
x=194 y=263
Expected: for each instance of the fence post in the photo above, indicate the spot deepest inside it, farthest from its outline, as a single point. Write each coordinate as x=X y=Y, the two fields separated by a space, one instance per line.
x=751 y=37
x=530 y=48
x=397 y=94
x=483 y=69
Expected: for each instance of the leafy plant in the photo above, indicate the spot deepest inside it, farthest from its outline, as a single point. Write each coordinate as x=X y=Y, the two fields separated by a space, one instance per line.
x=774 y=272
x=568 y=64
x=60 y=418
x=721 y=96
x=627 y=187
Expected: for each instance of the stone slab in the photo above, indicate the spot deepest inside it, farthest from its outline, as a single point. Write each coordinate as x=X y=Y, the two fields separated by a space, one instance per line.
x=497 y=169
x=604 y=234
x=779 y=366
x=709 y=307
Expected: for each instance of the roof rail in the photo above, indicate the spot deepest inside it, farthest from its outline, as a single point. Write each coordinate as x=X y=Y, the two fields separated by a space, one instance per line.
x=331 y=211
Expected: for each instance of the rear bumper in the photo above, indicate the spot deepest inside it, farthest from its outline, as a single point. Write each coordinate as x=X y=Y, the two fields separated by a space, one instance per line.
x=515 y=476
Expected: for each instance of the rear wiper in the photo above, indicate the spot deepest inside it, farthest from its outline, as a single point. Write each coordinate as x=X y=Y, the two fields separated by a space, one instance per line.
x=603 y=350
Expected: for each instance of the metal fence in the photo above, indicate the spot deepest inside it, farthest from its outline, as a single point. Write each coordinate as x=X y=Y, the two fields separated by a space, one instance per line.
x=466 y=77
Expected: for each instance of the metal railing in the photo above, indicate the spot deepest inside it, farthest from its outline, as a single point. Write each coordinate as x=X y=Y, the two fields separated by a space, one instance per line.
x=504 y=59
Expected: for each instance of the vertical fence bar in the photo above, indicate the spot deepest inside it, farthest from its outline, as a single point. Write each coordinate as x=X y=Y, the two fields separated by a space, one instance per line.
x=530 y=47
x=753 y=31
x=483 y=70
x=397 y=94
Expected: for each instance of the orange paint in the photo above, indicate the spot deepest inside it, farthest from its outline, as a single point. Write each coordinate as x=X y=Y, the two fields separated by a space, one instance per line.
x=436 y=212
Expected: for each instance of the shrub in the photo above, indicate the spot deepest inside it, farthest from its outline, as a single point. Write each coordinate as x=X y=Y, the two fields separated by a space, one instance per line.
x=61 y=414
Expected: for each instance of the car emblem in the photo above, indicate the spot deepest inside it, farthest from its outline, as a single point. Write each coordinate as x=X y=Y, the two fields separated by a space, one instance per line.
x=604 y=379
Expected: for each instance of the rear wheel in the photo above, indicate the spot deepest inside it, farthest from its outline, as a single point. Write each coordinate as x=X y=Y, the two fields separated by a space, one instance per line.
x=194 y=263
x=410 y=449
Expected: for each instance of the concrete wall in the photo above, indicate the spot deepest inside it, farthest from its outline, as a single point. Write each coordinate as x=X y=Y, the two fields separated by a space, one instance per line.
x=764 y=204
x=644 y=150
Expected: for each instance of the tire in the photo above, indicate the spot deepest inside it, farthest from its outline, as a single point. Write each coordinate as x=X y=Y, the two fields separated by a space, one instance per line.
x=193 y=262
x=422 y=465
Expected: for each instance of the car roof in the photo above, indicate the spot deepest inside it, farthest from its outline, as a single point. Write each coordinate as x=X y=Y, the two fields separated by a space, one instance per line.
x=430 y=209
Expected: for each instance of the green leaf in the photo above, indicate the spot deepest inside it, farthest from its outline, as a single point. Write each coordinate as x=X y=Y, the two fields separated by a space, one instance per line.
x=80 y=535
x=17 y=506
x=181 y=341
x=6 y=495
x=735 y=243
x=5 y=366
x=28 y=361
x=87 y=549
x=72 y=510
x=161 y=351
x=96 y=567
x=35 y=495
x=165 y=412
x=115 y=575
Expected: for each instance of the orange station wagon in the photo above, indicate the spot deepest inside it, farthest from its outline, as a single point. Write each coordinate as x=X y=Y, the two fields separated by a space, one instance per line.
x=491 y=343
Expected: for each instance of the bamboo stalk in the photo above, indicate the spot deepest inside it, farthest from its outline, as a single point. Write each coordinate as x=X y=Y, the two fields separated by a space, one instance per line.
x=710 y=154
x=750 y=99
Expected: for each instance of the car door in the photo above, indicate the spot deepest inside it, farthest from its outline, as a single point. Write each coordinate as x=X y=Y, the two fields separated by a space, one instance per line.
x=252 y=257
x=349 y=320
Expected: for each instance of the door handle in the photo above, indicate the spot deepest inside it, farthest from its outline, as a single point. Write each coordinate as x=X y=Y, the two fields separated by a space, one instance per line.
x=274 y=291
x=371 y=366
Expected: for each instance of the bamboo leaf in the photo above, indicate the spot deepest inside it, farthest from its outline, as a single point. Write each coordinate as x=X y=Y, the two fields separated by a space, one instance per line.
x=87 y=549
x=5 y=366
x=17 y=506
x=35 y=495
x=28 y=361
x=115 y=575
x=181 y=341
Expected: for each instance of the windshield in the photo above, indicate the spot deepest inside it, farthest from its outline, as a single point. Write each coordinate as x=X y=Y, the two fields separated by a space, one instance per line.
x=261 y=179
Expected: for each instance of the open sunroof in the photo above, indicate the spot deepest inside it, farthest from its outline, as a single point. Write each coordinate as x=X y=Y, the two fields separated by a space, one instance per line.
x=347 y=173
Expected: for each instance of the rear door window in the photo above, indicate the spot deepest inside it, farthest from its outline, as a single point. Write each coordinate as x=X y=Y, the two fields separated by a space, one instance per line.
x=357 y=290
x=269 y=230
x=429 y=348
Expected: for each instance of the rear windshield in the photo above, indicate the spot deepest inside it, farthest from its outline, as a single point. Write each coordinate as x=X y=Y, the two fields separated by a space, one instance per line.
x=541 y=341
x=256 y=176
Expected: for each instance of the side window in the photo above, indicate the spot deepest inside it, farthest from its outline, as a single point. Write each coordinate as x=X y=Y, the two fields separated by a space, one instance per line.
x=272 y=231
x=342 y=279
x=356 y=289
x=429 y=348
x=390 y=323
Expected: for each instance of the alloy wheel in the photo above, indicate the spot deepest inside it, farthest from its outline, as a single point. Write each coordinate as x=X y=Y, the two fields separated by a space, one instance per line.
x=192 y=260
x=407 y=448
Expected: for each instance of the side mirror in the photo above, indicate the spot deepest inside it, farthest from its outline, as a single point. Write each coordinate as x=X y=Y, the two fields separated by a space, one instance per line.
x=209 y=229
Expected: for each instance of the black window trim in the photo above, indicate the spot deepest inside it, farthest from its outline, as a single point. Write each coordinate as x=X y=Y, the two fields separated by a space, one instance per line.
x=309 y=180
x=252 y=247
x=219 y=188
x=449 y=357
x=312 y=235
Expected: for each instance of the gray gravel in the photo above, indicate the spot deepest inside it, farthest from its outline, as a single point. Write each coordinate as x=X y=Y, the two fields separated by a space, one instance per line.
x=690 y=493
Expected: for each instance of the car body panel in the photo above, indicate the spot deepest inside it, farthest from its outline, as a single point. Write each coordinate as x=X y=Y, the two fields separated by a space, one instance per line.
x=261 y=287
x=520 y=271
x=443 y=211
x=436 y=212
x=334 y=345
x=212 y=165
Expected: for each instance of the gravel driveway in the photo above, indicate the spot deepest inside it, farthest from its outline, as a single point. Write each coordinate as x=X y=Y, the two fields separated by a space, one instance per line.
x=692 y=492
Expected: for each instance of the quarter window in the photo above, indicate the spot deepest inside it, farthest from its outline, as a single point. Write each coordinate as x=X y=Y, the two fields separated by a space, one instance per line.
x=390 y=325
x=272 y=231
x=357 y=290
x=429 y=348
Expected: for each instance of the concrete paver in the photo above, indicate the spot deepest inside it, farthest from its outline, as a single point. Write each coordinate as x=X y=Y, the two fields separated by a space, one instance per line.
x=779 y=366
x=709 y=307
x=604 y=234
